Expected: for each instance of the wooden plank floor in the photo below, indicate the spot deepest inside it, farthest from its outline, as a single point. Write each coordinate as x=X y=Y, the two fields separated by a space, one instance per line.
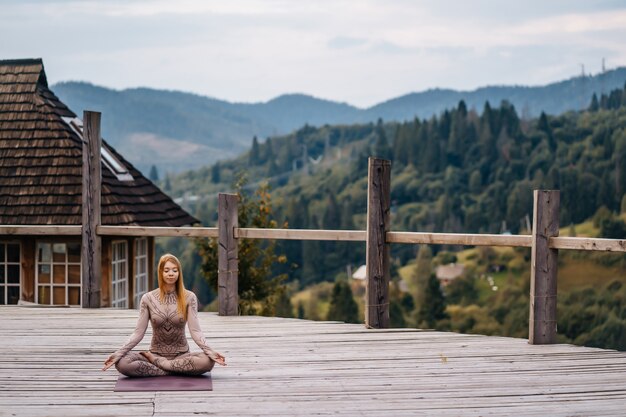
x=51 y=360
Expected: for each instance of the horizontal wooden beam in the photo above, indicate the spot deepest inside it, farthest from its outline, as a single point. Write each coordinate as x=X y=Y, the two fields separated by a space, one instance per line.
x=459 y=239
x=40 y=230
x=301 y=234
x=585 y=243
x=571 y=243
x=157 y=231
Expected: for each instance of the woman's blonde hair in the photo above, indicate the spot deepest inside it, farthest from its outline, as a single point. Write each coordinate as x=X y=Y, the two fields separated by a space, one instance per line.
x=180 y=285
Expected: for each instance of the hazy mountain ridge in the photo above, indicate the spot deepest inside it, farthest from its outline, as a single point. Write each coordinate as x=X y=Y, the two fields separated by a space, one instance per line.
x=224 y=129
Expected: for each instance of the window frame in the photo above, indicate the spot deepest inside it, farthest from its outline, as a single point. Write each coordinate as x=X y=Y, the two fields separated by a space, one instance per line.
x=5 y=265
x=52 y=264
x=140 y=278
x=116 y=281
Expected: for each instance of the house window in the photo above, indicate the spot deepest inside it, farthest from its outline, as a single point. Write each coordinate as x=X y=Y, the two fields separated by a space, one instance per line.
x=58 y=273
x=141 y=269
x=119 y=277
x=10 y=271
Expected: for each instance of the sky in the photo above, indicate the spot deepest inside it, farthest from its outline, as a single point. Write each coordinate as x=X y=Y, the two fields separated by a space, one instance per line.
x=361 y=52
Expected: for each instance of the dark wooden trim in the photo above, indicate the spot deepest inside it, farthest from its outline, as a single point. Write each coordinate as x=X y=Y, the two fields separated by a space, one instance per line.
x=228 y=261
x=377 y=252
x=543 y=272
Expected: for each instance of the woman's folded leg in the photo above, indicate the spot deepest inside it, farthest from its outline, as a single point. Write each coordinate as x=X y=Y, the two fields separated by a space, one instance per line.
x=135 y=365
x=195 y=363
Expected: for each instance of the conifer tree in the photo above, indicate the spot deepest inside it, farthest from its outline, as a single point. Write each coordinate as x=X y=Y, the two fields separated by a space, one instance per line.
x=381 y=148
x=254 y=157
x=423 y=270
x=543 y=125
x=282 y=304
x=342 y=304
x=167 y=187
x=594 y=105
x=433 y=308
x=154 y=174
x=215 y=173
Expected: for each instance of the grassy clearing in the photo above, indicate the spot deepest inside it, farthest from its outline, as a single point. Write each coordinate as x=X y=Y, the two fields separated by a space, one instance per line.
x=575 y=274
x=315 y=300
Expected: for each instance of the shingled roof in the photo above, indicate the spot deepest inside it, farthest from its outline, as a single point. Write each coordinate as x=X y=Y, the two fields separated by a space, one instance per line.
x=41 y=159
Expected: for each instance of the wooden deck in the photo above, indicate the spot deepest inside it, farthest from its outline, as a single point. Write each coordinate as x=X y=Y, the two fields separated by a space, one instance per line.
x=51 y=360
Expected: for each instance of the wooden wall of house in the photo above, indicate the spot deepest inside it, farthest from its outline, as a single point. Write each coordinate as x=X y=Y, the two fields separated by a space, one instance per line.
x=28 y=268
x=29 y=256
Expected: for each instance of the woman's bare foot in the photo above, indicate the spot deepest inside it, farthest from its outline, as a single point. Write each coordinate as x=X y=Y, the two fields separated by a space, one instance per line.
x=148 y=355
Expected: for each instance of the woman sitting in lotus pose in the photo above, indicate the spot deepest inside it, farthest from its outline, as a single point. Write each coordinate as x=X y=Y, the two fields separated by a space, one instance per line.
x=168 y=308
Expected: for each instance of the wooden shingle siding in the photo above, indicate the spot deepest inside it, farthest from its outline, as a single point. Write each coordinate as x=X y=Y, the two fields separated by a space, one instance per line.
x=41 y=159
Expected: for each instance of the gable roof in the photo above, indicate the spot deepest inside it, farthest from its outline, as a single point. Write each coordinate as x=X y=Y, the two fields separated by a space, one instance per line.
x=450 y=271
x=41 y=160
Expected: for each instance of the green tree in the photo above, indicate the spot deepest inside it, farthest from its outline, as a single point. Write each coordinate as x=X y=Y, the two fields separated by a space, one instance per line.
x=619 y=138
x=282 y=304
x=154 y=174
x=396 y=314
x=433 y=308
x=215 y=173
x=342 y=304
x=254 y=158
x=258 y=286
x=475 y=182
x=594 y=106
x=462 y=291
x=613 y=228
x=382 y=148
x=421 y=274
x=167 y=187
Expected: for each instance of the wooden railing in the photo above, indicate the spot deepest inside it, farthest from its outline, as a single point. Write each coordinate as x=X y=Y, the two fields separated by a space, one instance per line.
x=544 y=243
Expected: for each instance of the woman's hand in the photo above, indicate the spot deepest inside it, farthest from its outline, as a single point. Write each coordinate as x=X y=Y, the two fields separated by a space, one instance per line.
x=112 y=360
x=217 y=357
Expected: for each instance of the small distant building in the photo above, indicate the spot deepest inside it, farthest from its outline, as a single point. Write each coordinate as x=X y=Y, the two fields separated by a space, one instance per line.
x=448 y=273
x=360 y=273
x=41 y=184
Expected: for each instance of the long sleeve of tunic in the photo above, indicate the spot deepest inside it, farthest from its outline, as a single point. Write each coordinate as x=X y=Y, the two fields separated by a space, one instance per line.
x=140 y=329
x=194 y=324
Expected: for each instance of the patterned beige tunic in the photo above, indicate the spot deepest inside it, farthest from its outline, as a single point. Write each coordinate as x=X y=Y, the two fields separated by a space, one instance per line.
x=169 y=340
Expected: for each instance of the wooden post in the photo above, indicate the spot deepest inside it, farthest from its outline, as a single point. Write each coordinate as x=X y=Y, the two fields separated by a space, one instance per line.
x=92 y=180
x=228 y=261
x=543 y=272
x=377 y=252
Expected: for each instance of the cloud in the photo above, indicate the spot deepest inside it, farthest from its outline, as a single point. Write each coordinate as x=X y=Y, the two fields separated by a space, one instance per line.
x=360 y=51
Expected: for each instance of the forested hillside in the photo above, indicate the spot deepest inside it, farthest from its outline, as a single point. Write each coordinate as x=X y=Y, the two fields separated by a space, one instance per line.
x=146 y=124
x=460 y=171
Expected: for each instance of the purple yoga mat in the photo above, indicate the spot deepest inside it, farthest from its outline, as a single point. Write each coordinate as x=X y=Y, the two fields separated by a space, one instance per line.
x=165 y=383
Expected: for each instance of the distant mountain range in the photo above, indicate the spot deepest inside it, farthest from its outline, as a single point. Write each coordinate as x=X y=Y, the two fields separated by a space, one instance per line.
x=177 y=131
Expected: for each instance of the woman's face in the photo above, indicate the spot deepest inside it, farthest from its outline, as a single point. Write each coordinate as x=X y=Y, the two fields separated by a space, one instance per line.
x=170 y=273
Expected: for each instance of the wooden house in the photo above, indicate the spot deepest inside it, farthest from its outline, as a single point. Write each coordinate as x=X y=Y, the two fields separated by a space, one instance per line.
x=41 y=184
